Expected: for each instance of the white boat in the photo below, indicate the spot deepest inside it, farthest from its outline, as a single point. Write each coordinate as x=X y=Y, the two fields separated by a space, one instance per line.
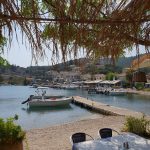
x=43 y=100
x=34 y=86
x=117 y=92
x=50 y=102
x=71 y=87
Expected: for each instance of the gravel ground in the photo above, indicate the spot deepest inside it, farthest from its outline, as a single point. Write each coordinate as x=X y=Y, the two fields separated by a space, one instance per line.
x=58 y=137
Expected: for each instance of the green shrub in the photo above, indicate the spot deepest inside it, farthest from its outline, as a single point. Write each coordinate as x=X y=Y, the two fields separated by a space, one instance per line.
x=139 y=126
x=10 y=132
x=146 y=89
x=110 y=76
x=139 y=86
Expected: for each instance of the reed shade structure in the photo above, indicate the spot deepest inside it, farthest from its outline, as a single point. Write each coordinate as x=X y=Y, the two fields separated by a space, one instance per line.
x=98 y=27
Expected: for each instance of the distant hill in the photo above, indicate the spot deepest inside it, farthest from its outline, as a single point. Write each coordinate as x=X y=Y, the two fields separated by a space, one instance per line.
x=125 y=62
x=39 y=71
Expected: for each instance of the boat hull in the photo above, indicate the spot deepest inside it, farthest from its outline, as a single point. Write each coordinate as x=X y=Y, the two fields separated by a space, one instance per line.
x=49 y=102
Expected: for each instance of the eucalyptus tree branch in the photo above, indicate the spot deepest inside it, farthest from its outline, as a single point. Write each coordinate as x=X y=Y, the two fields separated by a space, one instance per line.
x=69 y=20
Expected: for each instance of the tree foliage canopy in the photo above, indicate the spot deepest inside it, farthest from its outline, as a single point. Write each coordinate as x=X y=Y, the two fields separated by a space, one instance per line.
x=3 y=62
x=101 y=27
x=110 y=76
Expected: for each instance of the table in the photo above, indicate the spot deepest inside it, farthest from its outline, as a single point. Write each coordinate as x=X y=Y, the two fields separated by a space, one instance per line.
x=115 y=143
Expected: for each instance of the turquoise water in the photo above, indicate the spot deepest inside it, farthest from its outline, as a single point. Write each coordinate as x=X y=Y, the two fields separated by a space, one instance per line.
x=12 y=96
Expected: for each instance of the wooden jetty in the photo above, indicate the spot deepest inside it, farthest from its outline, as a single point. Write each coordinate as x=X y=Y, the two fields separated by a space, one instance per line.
x=104 y=108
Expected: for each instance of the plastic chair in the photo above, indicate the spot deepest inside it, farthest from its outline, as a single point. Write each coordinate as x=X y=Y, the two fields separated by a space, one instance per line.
x=79 y=137
x=106 y=132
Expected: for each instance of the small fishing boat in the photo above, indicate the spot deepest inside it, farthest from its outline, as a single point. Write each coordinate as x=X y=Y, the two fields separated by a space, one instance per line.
x=50 y=102
x=34 y=86
x=70 y=87
x=116 y=92
x=43 y=100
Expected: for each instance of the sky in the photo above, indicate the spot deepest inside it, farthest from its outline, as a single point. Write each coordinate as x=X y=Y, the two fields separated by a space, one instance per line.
x=20 y=55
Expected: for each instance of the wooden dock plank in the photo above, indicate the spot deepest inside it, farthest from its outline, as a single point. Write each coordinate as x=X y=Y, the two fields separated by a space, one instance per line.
x=104 y=108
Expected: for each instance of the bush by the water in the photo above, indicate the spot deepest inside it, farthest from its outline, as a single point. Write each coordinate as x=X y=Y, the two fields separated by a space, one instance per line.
x=146 y=89
x=10 y=132
x=139 y=86
x=139 y=126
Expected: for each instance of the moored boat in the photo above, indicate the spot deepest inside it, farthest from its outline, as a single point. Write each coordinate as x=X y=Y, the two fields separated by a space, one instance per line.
x=34 y=86
x=70 y=87
x=43 y=100
x=117 y=92
x=50 y=102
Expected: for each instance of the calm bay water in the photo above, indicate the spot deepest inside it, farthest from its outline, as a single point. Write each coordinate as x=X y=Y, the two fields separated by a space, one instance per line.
x=12 y=96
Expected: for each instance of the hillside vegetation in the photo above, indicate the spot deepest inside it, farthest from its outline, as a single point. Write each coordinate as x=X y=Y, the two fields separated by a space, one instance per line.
x=17 y=75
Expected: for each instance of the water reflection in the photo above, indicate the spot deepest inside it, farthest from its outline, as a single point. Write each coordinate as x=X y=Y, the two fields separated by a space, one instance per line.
x=138 y=96
x=46 y=109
